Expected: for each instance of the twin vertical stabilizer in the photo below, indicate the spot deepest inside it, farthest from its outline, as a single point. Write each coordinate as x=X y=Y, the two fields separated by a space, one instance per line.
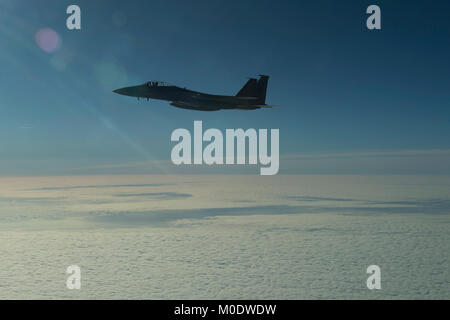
x=255 y=88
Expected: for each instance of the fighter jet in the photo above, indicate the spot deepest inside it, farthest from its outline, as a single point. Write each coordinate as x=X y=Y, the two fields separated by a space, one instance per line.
x=252 y=96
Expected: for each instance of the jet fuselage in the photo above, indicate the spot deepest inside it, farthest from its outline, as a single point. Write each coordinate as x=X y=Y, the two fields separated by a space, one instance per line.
x=188 y=99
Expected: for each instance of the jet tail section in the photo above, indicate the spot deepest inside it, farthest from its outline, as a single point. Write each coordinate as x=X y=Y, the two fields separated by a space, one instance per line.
x=249 y=89
x=255 y=88
x=262 y=88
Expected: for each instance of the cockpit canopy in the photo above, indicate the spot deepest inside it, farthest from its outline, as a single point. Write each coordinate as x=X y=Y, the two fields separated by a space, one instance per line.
x=156 y=83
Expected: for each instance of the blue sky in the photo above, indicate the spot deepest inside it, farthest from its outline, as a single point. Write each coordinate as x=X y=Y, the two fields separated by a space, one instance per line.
x=342 y=88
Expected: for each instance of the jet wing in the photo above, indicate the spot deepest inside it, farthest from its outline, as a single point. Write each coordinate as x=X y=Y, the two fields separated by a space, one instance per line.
x=221 y=99
x=180 y=104
x=184 y=105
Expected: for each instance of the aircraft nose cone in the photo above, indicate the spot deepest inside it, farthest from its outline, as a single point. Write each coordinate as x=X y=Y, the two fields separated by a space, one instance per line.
x=129 y=91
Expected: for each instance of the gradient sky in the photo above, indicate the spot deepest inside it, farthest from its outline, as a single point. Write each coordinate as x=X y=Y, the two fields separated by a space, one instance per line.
x=343 y=90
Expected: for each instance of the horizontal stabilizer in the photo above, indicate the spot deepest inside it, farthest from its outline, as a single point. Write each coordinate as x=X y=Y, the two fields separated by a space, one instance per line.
x=267 y=106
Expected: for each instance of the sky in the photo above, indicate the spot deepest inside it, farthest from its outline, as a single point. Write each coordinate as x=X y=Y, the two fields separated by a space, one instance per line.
x=364 y=117
x=351 y=100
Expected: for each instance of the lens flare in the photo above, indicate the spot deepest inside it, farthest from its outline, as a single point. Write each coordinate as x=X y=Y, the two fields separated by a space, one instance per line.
x=48 y=40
